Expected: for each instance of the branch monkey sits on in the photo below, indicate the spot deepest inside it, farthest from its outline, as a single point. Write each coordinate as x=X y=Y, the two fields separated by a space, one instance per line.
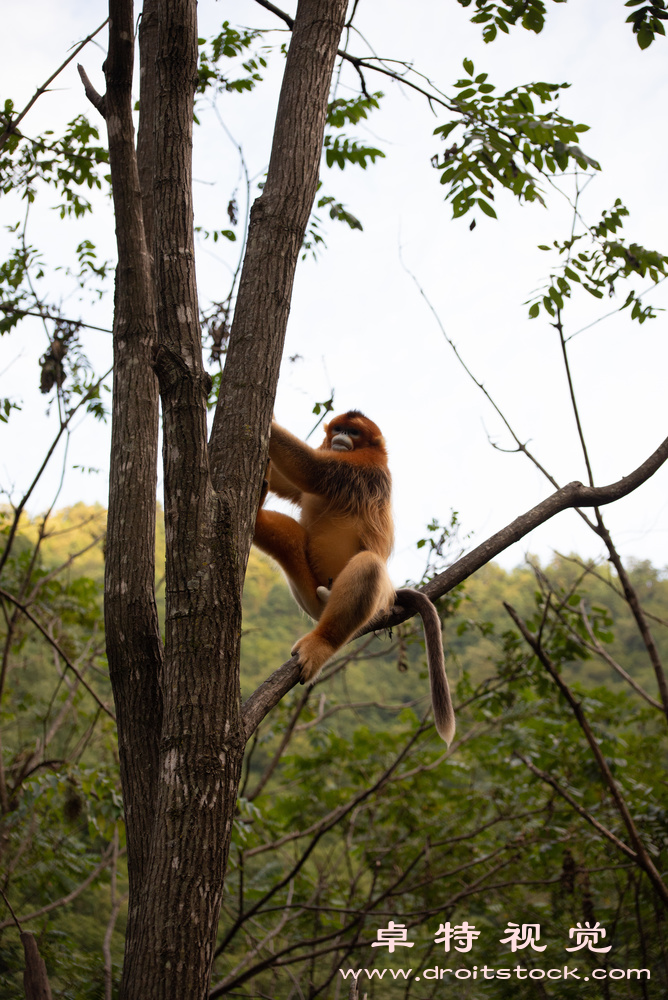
x=335 y=556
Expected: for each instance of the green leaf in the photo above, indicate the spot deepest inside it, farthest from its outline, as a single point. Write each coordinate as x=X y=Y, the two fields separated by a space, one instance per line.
x=487 y=208
x=645 y=36
x=445 y=130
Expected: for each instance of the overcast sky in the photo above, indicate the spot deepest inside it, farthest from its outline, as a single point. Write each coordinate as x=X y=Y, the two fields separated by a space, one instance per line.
x=359 y=327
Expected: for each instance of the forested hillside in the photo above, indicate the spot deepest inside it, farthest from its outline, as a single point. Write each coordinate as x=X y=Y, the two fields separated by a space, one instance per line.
x=515 y=823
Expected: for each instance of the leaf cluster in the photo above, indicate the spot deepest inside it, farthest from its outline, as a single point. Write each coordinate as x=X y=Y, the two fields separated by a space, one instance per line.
x=229 y=43
x=339 y=151
x=598 y=267
x=647 y=21
x=504 y=15
x=341 y=111
x=500 y=16
x=67 y=164
x=313 y=237
x=504 y=141
x=15 y=293
x=216 y=234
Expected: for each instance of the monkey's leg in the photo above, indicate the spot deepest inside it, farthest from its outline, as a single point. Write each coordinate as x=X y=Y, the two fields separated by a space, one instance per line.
x=360 y=591
x=284 y=539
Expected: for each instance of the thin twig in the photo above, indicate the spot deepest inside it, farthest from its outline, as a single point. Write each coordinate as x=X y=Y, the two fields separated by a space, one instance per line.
x=549 y=780
x=11 y=126
x=643 y=858
x=9 y=597
x=64 y=900
x=596 y=647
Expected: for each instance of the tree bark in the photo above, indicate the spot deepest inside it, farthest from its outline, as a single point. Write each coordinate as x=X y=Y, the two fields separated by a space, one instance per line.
x=35 y=980
x=240 y=434
x=200 y=747
x=134 y=646
x=189 y=807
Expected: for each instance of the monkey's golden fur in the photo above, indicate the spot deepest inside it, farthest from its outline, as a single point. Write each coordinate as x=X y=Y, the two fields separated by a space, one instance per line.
x=335 y=556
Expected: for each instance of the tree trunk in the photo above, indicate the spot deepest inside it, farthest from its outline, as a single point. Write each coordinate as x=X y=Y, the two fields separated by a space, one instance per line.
x=134 y=646
x=180 y=727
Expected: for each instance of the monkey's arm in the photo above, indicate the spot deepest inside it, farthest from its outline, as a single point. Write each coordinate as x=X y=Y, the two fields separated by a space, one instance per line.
x=298 y=463
x=281 y=485
x=444 y=714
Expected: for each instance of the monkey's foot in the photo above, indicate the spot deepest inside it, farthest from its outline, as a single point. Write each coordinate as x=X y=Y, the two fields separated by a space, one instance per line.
x=313 y=653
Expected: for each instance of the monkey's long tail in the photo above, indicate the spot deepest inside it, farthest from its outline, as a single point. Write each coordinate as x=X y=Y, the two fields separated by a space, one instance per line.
x=444 y=713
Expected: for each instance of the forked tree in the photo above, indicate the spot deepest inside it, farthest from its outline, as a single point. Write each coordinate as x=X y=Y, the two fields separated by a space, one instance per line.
x=182 y=728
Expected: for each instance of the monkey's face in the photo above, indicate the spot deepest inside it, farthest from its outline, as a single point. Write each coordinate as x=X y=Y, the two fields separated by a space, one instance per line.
x=343 y=438
x=351 y=431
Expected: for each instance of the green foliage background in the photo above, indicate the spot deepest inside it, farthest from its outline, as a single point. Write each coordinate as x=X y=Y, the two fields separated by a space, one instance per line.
x=363 y=819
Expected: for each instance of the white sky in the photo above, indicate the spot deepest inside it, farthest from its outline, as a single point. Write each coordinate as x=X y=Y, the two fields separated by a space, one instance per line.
x=358 y=322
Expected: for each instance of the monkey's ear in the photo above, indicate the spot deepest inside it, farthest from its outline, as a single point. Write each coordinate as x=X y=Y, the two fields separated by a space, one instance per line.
x=325 y=427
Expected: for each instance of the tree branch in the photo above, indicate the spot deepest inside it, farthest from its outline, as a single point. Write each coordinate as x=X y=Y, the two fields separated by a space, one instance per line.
x=643 y=859
x=22 y=607
x=360 y=63
x=107 y=858
x=549 y=780
x=596 y=647
x=97 y=100
x=64 y=424
x=11 y=126
x=134 y=644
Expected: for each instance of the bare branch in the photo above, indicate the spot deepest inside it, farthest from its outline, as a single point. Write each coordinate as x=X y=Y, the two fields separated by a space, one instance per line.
x=9 y=907
x=376 y=66
x=9 y=597
x=269 y=694
x=643 y=859
x=11 y=127
x=285 y=739
x=97 y=100
x=596 y=647
x=279 y=13
x=64 y=900
x=26 y=496
x=572 y=495
x=571 y=391
x=633 y=602
x=549 y=780
x=8 y=307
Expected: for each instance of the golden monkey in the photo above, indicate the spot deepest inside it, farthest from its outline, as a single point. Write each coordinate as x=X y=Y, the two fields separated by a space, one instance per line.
x=335 y=556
